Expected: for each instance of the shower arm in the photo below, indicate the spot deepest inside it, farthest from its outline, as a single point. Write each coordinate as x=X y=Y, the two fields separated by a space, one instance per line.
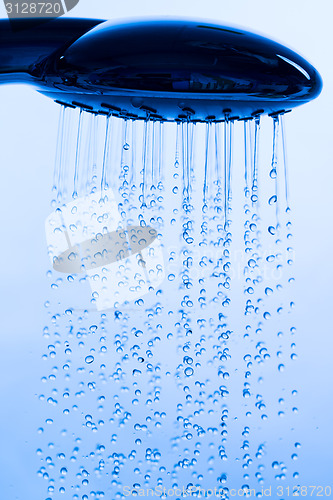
x=25 y=44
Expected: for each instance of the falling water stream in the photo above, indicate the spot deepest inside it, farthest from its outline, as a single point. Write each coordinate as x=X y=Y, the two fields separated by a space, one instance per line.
x=188 y=386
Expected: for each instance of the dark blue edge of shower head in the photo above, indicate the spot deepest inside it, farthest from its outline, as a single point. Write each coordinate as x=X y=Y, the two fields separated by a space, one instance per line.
x=164 y=70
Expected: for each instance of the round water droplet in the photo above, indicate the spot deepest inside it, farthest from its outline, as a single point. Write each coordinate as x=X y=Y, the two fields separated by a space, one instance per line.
x=89 y=359
x=188 y=371
x=126 y=146
x=72 y=256
x=272 y=200
x=273 y=173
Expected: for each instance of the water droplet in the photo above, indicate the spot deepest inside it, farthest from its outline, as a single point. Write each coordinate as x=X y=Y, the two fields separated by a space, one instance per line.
x=188 y=371
x=89 y=359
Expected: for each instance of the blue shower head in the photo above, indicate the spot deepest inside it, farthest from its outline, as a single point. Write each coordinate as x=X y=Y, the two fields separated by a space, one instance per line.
x=167 y=70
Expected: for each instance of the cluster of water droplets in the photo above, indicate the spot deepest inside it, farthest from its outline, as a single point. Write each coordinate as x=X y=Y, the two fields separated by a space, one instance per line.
x=188 y=385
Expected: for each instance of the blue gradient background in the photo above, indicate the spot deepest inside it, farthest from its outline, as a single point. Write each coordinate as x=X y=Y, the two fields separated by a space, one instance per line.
x=27 y=144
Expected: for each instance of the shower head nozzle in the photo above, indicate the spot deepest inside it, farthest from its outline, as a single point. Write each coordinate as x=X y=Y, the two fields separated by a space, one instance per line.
x=165 y=70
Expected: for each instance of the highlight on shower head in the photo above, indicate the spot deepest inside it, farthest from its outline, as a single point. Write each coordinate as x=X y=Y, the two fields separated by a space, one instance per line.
x=166 y=70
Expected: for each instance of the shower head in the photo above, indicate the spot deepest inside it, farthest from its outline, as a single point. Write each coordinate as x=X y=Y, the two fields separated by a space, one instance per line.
x=165 y=70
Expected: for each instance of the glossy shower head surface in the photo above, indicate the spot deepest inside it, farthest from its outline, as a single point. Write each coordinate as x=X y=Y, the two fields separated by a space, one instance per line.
x=167 y=70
